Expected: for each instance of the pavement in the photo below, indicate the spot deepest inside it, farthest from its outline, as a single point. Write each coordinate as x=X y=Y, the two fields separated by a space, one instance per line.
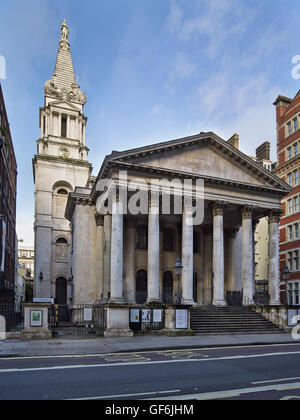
x=60 y=346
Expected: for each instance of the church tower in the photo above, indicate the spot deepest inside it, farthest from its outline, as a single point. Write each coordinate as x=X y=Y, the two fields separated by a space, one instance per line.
x=59 y=166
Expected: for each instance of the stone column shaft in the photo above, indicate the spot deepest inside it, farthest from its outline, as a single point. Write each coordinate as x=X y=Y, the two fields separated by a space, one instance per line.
x=130 y=277
x=106 y=258
x=187 y=257
x=247 y=256
x=153 y=252
x=218 y=255
x=116 y=270
x=274 y=269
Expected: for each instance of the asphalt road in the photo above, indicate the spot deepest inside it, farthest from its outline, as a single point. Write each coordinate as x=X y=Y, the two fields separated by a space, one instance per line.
x=255 y=372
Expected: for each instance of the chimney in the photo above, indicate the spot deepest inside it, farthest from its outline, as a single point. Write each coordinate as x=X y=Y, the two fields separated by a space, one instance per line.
x=263 y=151
x=234 y=141
x=282 y=103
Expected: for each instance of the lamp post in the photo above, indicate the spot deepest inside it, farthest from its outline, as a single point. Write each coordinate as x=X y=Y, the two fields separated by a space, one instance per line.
x=286 y=276
x=178 y=270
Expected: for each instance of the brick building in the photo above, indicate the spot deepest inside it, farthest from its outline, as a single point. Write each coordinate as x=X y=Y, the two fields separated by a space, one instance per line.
x=288 y=169
x=8 y=187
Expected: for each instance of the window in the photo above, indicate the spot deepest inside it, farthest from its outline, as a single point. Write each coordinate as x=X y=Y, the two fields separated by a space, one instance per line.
x=296 y=229
x=289 y=127
x=296 y=260
x=296 y=149
x=141 y=237
x=293 y=293
x=62 y=192
x=61 y=241
x=64 y=127
x=290 y=261
x=296 y=178
x=295 y=124
x=290 y=206
x=290 y=154
x=290 y=233
x=290 y=179
x=296 y=204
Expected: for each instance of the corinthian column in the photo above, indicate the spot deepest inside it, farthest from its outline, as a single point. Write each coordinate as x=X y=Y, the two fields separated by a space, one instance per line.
x=117 y=254
x=187 y=256
x=274 y=270
x=247 y=255
x=153 y=251
x=218 y=254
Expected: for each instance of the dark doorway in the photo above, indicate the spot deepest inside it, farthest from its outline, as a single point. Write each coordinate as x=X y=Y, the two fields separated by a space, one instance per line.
x=195 y=288
x=168 y=287
x=61 y=291
x=141 y=287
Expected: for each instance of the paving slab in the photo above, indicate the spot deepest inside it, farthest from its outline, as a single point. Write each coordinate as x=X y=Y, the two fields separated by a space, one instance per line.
x=77 y=346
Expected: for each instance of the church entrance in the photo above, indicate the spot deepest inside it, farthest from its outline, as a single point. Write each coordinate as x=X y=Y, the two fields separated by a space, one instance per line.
x=61 y=291
x=168 y=287
x=141 y=287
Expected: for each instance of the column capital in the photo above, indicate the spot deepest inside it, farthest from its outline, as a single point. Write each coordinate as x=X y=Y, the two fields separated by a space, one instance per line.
x=218 y=208
x=247 y=212
x=274 y=216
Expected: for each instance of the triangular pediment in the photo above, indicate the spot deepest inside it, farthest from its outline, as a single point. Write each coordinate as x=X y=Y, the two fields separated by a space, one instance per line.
x=64 y=105
x=205 y=155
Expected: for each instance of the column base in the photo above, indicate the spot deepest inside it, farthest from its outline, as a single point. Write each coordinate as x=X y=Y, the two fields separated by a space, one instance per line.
x=220 y=303
x=188 y=302
x=117 y=301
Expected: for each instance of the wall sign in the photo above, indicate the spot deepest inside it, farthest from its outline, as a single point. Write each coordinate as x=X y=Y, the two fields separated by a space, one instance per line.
x=36 y=318
x=157 y=315
x=181 y=318
x=134 y=316
x=87 y=314
x=146 y=316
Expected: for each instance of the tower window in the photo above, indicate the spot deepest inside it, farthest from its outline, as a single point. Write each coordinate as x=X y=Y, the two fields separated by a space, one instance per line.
x=62 y=192
x=64 y=127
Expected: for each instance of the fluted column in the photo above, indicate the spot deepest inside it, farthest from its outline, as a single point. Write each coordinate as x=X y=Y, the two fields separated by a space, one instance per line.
x=116 y=278
x=274 y=269
x=130 y=280
x=187 y=256
x=218 y=254
x=106 y=258
x=153 y=252
x=247 y=255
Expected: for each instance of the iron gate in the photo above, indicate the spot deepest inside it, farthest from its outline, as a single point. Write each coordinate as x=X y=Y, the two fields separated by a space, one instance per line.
x=89 y=320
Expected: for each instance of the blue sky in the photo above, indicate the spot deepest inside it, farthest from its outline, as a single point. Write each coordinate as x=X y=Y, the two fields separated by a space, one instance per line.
x=152 y=70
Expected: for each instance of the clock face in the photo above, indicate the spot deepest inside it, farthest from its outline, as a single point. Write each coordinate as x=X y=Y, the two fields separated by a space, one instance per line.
x=64 y=152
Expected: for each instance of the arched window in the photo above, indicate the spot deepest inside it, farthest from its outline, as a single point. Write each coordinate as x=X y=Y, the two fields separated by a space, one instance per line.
x=168 y=242
x=141 y=287
x=62 y=192
x=62 y=241
x=141 y=237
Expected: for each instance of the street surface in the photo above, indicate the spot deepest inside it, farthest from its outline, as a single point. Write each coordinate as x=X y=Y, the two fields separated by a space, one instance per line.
x=253 y=372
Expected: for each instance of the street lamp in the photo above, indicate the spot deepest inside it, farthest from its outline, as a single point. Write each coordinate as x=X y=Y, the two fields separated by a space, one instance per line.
x=286 y=276
x=178 y=270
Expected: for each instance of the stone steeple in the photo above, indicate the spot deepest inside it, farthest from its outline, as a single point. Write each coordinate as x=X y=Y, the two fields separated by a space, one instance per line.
x=63 y=84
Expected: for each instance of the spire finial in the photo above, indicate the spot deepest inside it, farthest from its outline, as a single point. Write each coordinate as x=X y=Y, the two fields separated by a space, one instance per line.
x=64 y=31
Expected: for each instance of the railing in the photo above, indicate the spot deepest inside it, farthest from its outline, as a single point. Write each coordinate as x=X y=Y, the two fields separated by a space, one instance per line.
x=275 y=318
x=13 y=320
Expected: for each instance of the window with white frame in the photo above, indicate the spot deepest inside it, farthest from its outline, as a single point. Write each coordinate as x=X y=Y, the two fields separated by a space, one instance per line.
x=289 y=128
x=295 y=124
x=290 y=233
x=296 y=260
x=296 y=204
x=296 y=231
x=290 y=153
x=293 y=293
x=296 y=149
x=290 y=261
x=290 y=206
x=296 y=178
x=290 y=179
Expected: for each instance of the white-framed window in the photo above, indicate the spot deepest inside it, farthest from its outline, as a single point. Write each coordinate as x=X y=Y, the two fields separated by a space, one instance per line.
x=290 y=153
x=290 y=261
x=296 y=178
x=295 y=124
x=296 y=150
x=296 y=231
x=296 y=204
x=290 y=179
x=293 y=293
x=289 y=128
x=290 y=233
x=296 y=260
x=290 y=206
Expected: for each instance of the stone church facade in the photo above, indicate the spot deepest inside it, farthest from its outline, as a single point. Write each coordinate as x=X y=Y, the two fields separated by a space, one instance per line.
x=109 y=239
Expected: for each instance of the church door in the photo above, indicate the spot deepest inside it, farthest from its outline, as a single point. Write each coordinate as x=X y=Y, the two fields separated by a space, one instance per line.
x=61 y=291
x=168 y=287
x=141 y=287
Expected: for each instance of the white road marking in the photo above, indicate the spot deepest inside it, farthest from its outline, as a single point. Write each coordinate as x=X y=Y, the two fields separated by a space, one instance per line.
x=275 y=380
x=126 y=395
x=234 y=392
x=215 y=359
